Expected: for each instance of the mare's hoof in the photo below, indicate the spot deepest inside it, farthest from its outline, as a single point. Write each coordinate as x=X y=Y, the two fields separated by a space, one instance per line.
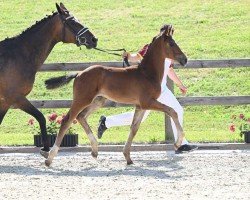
x=48 y=162
x=45 y=154
x=94 y=155
x=130 y=162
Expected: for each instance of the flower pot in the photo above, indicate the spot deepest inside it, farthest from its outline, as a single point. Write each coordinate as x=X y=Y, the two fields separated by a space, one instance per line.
x=69 y=140
x=246 y=136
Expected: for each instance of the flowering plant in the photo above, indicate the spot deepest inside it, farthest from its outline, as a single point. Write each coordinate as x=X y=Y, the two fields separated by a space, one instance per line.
x=242 y=122
x=53 y=124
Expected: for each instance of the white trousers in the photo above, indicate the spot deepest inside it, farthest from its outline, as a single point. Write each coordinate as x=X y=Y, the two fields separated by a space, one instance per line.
x=166 y=97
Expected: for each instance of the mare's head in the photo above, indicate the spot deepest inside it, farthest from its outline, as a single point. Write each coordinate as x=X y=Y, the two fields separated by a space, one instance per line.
x=73 y=31
x=171 y=50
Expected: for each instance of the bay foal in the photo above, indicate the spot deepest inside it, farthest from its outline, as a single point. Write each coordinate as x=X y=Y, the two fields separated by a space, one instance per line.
x=138 y=85
x=22 y=56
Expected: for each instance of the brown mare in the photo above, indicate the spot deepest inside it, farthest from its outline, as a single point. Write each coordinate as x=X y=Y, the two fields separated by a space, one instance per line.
x=138 y=85
x=23 y=55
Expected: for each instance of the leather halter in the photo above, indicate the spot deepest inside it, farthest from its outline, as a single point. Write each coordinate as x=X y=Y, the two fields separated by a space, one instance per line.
x=80 y=40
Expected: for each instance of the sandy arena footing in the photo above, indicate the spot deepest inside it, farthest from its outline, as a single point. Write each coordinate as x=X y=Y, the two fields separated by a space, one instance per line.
x=203 y=174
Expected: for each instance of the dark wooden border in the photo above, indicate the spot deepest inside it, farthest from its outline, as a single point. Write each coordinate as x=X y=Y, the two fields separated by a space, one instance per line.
x=225 y=63
x=185 y=101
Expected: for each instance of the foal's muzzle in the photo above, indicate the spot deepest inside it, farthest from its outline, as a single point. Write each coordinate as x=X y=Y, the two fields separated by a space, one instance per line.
x=182 y=60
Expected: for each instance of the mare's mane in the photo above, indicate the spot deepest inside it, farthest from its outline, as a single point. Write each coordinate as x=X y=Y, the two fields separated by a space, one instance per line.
x=32 y=28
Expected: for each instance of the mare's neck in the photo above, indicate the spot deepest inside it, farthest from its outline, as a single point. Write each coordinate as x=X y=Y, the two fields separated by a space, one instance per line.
x=153 y=63
x=37 y=44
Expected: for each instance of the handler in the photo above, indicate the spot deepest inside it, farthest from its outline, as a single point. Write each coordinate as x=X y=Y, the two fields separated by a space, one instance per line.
x=166 y=97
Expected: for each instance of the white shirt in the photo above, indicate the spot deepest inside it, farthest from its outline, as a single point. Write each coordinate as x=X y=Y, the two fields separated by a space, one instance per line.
x=167 y=64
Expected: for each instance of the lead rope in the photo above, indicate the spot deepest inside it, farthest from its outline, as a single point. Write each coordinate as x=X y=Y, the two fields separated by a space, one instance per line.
x=109 y=51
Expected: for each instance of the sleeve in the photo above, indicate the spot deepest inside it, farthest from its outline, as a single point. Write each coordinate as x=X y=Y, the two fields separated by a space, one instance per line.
x=143 y=51
x=172 y=64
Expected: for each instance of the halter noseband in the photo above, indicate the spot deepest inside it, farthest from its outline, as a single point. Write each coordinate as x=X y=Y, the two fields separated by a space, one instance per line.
x=79 y=40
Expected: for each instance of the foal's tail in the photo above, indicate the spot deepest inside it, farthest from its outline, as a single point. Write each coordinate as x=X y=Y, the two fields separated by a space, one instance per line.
x=57 y=82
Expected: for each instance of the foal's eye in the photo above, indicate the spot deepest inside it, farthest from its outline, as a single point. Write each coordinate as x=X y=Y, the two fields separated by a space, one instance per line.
x=171 y=43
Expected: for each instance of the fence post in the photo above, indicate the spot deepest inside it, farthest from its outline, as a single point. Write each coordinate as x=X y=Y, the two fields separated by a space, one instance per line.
x=169 y=135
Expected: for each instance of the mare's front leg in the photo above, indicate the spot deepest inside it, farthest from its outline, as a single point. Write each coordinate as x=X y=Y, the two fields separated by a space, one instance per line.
x=139 y=113
x=156 y=105
x=98 y=102
x=27 y=107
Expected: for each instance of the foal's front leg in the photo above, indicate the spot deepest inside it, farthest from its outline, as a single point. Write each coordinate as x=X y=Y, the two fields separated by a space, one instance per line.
x=156 y=105
x=139 y=113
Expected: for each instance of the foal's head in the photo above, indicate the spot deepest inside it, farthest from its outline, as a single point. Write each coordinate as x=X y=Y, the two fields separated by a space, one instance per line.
x=73 y=31
x=172 y=50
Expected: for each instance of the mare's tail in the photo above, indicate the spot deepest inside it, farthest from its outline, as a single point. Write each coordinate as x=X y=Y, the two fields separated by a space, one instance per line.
x=57 y=82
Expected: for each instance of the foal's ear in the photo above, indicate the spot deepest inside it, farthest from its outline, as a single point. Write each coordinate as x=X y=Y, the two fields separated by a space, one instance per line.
x=169 y=31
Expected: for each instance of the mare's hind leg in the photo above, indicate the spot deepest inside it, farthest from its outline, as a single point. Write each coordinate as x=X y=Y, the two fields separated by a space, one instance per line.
x=82 y=118
x=155 y=105
x=27 y=107
x=3 y=111
x=139 y=113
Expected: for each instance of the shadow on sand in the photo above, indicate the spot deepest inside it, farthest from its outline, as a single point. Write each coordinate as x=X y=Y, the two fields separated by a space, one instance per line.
x=157 y=168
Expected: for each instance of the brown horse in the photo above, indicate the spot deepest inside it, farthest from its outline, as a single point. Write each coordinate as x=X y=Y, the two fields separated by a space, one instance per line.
x=23 y=55
x=138 y=85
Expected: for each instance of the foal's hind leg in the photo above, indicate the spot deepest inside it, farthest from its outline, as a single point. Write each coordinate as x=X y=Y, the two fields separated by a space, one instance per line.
x=155 y=105
x=66 y=122
x=82 y=118
x=139 y=113
x=97 y=103
x=94 y=145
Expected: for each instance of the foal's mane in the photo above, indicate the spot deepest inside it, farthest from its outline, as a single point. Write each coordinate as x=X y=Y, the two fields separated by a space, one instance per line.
x=32 y=28
x=149 y=47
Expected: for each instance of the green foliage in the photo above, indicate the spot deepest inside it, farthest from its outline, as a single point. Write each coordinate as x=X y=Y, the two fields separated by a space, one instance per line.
x=53 y=124
x=203 y=29
x=241 y=122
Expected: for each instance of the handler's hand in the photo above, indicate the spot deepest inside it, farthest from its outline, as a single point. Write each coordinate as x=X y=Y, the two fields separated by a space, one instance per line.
x=125 y=54
x=183 y=89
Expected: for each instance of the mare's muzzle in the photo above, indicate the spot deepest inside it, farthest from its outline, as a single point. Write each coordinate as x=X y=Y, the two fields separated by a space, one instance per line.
x=82 y=40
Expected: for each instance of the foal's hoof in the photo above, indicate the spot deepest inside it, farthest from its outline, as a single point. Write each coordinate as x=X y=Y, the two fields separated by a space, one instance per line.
x=45 y=154
x=94 y=155
x=48 y=162
x=176 y=147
